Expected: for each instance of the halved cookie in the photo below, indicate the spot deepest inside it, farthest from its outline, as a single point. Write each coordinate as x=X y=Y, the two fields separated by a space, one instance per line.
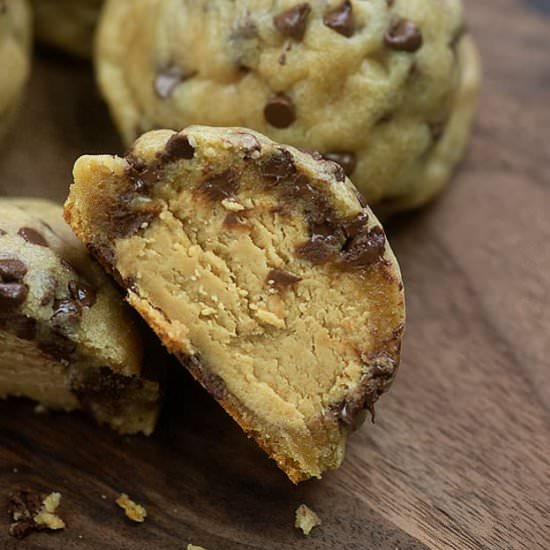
x=259 y=266
x=67 y=339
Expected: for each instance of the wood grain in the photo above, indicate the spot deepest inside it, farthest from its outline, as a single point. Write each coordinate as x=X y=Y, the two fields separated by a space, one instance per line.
x=460 y=455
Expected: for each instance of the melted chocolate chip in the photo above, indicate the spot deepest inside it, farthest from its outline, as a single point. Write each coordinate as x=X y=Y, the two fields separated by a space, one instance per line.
x=404 y=36
x=278 y=167
x=169 y=78
x=281 y=279
x=12 y=295
x=32 y=236
x=364 y=250
x=66 y=311
x=23 y=506
x=82 y=293
x=2 y=232
x=292 y=22
x=142 y=176
x=279 y=111
x=347 y=161
x=340 y=19
x=320 y=249
x=12 y=270
x=220 y=186
x=178 y=147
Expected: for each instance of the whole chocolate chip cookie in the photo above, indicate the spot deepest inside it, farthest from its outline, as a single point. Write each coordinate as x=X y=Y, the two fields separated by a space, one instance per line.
x=385 y=88
x=15 y=42
x=67 y=340
x=262 y=269
x=67 y=24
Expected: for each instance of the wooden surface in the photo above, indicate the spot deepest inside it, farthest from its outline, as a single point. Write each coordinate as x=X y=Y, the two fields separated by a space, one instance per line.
x=460 y=455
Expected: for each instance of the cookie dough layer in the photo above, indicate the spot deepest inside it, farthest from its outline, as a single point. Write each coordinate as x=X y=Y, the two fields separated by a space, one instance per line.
x=15 y=43
x=260 y=268
x=387 y=89
x=67 y=339
x=67 y=24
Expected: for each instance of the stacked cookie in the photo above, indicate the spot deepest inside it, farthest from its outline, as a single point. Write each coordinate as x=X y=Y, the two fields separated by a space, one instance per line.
x=240 y=240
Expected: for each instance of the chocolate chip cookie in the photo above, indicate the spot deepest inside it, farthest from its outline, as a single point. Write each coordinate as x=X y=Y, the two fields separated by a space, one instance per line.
x=15 y=42
x=262 y=269
x=385 y=88
x=67 y=339
x=67 y=24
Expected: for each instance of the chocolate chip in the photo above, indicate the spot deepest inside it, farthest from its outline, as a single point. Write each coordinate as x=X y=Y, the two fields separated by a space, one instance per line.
x=364 y=250
x=2 y=232
x=12 y=295
x=66 y=311
x=83 y=293
x=178 y=147
x=292 y=22
x=348 y=161
x=220 y=186
x=32 y=236
x=12 y=270
x=279 y=166
x=281 y=279
x=279 y=111
x=320 y=249
x=404 y=36
x=340 y=19
x=169 y=78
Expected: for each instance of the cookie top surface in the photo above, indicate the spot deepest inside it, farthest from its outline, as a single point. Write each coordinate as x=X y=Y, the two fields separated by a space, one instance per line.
x=368 y=84
x=47 y=276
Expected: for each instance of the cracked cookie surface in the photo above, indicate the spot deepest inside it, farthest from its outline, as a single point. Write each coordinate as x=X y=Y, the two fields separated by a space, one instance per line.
x=68 y=340
x=260 y=267
x=387 y=89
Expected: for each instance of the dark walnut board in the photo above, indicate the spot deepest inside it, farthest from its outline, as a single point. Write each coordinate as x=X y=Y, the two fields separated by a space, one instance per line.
x=460 y=454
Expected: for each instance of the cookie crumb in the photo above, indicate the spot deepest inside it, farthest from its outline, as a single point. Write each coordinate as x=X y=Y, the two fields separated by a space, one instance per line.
x=133 y=511
x=30 y=512
x=306 y=519
x=193 y=547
